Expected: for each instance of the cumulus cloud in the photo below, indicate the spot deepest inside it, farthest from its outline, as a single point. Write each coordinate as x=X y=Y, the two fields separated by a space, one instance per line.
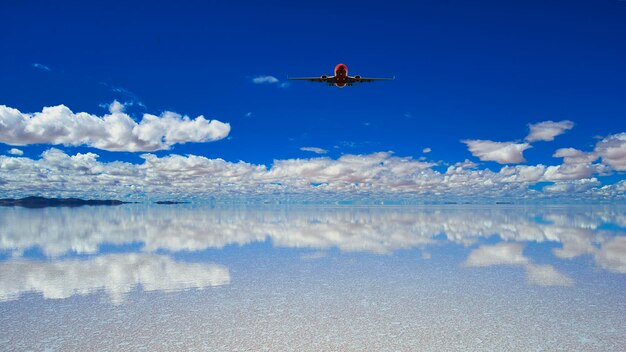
x=116 y=274
x=116 y=131
x=612 y=150
x=612 y=191
x=500 y=152
x=116 y=107
x=511 y=254
x=265 y=80
x=426 y=150
x=578 y=165
x=15 y=151
x=512 y=152
x=547 y=130
x=315 y=150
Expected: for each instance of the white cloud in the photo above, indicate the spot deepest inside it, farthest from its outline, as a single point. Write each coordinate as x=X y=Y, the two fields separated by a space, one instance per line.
x=115 y=132
x=116 y=107
x=270 y=80
x=426 y=150
x=265 y=79
x=547 y=130
x=41 y=67
x=612 y=150
x=613 y=191
x=116 y=274
x=500 y=152
x=15 y=151
x=579 y=165
x=315 y=150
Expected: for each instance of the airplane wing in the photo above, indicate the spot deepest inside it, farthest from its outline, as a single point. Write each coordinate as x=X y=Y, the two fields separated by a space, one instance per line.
x=312 y=79
x=370 y=79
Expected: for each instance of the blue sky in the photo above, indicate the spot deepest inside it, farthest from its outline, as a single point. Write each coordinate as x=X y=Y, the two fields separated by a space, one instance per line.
x=464 y=71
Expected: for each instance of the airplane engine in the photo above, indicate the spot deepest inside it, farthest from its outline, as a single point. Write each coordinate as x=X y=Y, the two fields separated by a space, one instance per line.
x=357 y=78
x=324 y=78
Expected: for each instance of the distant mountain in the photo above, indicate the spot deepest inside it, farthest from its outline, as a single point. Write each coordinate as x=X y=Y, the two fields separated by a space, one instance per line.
x=42 y=202
x=169 y=202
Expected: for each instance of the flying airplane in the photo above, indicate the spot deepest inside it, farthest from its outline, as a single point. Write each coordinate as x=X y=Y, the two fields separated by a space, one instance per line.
x=341 y=78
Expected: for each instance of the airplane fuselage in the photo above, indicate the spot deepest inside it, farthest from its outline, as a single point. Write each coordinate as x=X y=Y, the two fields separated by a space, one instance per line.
x=341 y=75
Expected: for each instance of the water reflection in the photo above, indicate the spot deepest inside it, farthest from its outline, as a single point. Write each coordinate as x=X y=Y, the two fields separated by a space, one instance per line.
x=511 y=254
x=116 y=274
x=60 y=233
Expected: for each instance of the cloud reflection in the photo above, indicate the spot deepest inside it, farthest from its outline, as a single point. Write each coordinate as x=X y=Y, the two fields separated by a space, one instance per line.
x=511 y=254
x=116 y=274
x=382 y=230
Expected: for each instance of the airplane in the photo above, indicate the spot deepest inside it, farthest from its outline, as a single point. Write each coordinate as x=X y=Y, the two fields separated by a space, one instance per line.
x=341 y=78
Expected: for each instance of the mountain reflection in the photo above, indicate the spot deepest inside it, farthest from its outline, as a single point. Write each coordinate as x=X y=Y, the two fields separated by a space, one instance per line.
x=596 y=232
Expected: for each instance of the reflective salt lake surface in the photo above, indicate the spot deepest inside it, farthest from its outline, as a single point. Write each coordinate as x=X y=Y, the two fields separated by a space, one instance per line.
x=453 y=277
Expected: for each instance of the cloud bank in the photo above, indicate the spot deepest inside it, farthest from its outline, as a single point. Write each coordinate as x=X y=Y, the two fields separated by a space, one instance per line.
x=379 y=174
x=116 y=131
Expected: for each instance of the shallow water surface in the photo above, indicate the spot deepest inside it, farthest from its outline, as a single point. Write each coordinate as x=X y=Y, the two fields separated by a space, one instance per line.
x=453 y=277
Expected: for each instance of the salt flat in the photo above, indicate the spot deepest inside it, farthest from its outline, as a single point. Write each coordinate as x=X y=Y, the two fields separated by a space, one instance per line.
x=451 y=277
